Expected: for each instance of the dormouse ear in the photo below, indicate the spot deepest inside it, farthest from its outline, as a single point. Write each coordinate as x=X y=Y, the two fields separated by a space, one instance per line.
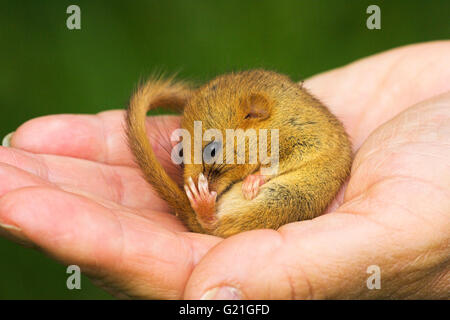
x=256 y=106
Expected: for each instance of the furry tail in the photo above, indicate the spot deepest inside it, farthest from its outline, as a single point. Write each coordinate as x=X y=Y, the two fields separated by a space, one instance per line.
x=152 y=94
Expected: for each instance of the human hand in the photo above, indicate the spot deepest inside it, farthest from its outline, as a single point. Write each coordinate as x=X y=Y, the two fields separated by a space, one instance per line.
x=73 y=191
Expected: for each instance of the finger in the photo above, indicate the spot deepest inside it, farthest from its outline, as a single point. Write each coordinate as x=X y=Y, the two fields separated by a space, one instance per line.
x=13 y=178
x=121 y=251
x=190 y=196
x=119 y=184
x=213 y=196
x=99 y=138
x=193 y=188
x=369 y=92
x=203 y=186
x=255 y=188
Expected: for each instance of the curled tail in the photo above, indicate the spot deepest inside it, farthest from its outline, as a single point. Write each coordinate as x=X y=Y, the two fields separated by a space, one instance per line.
x=152 y=94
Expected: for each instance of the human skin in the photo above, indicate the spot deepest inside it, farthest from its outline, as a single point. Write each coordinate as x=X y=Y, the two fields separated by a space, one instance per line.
x=69 y=187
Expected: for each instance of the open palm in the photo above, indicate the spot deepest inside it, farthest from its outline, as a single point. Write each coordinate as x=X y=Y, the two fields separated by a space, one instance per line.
x=69 y=187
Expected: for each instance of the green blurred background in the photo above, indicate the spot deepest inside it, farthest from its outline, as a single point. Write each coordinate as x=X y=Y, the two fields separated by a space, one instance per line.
x=47 y=69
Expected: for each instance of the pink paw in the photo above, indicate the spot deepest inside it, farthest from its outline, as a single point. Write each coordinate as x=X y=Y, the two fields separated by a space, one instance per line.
x=202 y=201
x=251 y=184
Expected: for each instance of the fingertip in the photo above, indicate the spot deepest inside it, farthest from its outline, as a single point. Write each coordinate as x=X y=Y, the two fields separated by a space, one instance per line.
x=13 y=178
x=6 y=142
x=13 y=207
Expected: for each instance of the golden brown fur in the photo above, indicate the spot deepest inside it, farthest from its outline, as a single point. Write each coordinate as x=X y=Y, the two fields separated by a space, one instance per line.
x=315 y=152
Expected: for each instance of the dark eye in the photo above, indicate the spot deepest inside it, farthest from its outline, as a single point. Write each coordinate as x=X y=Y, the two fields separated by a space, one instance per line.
x=180 y=153
x=211 y=151
x=177 y=155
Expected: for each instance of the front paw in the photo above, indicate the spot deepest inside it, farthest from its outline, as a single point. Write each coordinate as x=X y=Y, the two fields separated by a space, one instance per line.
x=202 y=201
